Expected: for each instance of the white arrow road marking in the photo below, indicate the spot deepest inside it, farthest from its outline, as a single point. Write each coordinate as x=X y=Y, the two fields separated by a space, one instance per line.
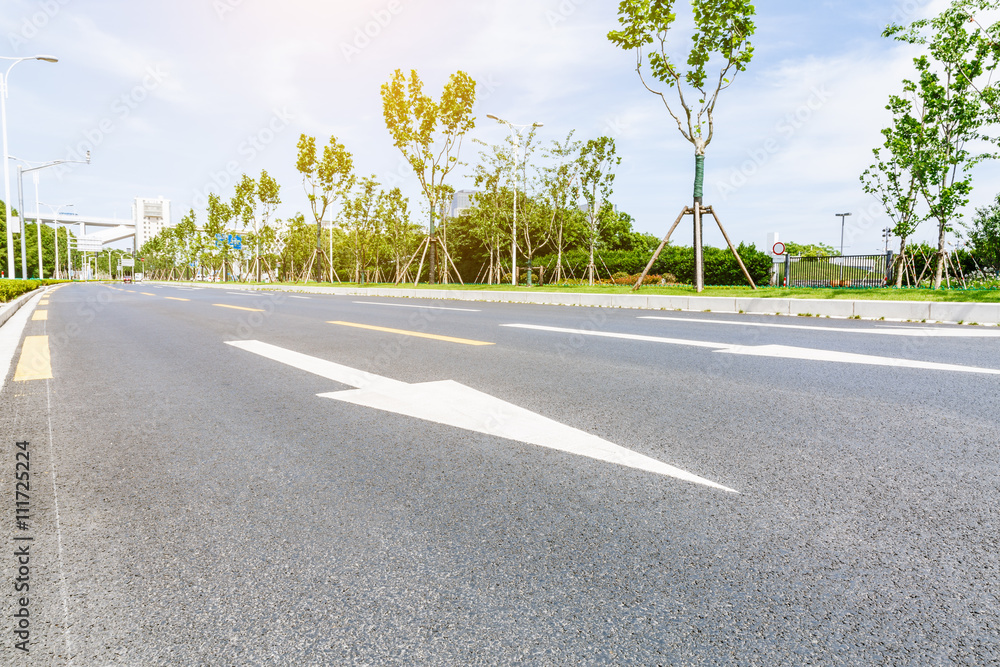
x=453 y=404
x=779 y=351
x=921 y=332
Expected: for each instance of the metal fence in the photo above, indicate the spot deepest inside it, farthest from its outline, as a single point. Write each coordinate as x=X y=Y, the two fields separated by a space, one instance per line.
x=839 y=271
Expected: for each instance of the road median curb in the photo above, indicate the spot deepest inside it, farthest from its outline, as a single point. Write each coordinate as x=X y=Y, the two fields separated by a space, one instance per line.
x=896 y=311
x=8 y=309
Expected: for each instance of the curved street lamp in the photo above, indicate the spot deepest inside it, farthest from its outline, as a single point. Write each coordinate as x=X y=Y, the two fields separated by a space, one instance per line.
x=21 y=171
x=515 y=132
x=6 y=168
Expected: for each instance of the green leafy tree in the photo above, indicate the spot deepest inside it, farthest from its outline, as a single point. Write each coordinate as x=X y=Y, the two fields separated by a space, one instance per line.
x=297 y=248
x=429 y=134
x=325 y=179
x=253 y=204
x=894 y=177
x=218 y=253
x=400 y=233
x=984 y=235
x=595 y=164
x=952 y=110
x=361 y=223
x=490 y=219
x=811 y=250
x=558 y=180
x=720 y=44
x=190 y=241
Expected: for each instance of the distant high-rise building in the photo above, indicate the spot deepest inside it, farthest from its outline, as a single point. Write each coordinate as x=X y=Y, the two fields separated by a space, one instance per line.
x=151 y=216
x=461 y=202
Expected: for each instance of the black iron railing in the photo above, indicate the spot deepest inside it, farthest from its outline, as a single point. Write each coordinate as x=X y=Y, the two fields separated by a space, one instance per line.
x=833 y=271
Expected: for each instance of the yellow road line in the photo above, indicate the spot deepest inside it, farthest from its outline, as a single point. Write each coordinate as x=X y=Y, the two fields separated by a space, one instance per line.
x=35 y=362
x=252 y=310
x=146 y=294
x=40 y=315
x=417 y=334
x=43 y=303
x=175 y=298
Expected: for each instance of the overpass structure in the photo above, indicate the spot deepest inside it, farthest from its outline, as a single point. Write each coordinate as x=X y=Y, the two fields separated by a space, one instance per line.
x=108 y=230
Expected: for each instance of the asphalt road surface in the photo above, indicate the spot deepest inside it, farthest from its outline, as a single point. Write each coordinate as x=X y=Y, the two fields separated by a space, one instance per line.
x=226 y=478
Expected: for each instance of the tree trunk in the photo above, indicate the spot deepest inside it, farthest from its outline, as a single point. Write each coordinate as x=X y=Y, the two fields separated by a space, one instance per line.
x=901 y=260
x=559 y=252
x=939 y=271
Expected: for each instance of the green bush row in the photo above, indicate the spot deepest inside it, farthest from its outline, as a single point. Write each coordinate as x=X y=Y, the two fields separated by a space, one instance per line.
x=11 y=289
x=721 y=267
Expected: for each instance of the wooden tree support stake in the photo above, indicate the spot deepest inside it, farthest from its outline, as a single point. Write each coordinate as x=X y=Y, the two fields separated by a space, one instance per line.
x=690 y=211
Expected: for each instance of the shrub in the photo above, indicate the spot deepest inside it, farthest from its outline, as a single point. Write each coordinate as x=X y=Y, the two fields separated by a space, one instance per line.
x=11 y=289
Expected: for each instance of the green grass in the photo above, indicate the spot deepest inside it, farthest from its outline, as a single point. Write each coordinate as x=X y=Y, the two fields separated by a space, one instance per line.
x=882 y=294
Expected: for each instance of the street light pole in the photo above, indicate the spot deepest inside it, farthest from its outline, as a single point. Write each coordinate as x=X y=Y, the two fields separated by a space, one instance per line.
x=6 y=167
x=516 y=135
x=21 y=171
x=55 y=225
x=842 y=216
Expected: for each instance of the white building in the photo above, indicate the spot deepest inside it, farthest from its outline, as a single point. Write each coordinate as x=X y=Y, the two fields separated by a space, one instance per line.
x=461 y=202
x=150 y=216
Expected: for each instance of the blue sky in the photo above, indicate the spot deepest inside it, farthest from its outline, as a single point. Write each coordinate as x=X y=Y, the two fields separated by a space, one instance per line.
x=179 y=98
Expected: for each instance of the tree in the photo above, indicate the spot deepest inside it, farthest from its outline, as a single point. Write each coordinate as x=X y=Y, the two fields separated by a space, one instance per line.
x=990 y=92
x=401 y=234
x=810 y=250
x=722 y=31
x=362 y=225
x=189 y=240
x=946 y=99
x=220 y=220
x=325 y=180
x=253 y=203
x=595 y=166
x=894 y=178
x=297 y=248
x=984 y=235
x=414 y=121
x=558 y=181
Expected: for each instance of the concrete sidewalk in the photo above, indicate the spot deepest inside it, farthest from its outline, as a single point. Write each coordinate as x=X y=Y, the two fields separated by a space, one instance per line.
x=895 y=311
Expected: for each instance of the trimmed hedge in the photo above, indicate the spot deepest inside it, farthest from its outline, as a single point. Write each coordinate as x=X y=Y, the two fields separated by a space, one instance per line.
x=11 y=289
x=720 y=265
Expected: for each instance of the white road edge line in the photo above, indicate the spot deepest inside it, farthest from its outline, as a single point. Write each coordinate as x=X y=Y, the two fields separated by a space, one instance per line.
x=454 y=404
x=777 y=351
x=893 y=331
x=408 y=305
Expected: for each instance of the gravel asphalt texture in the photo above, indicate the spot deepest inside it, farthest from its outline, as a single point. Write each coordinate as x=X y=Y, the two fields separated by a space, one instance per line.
x=212 y=509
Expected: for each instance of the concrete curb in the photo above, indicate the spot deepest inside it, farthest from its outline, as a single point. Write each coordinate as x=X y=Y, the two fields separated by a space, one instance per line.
x=8 y=309
x=895 y=311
